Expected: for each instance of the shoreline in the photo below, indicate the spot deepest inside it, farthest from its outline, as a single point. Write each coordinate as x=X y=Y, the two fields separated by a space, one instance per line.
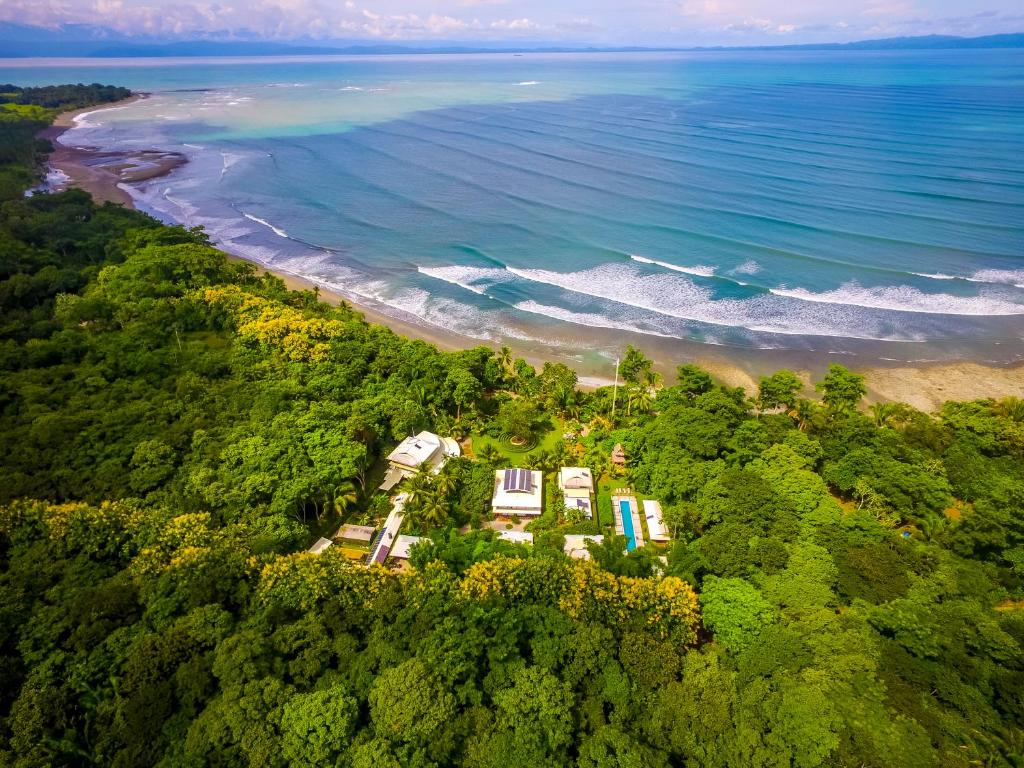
x=923 y=385
x=101 y=173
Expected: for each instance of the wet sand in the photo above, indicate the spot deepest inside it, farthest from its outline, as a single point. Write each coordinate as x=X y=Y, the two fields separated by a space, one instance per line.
x=101 y=173
x=925 y=385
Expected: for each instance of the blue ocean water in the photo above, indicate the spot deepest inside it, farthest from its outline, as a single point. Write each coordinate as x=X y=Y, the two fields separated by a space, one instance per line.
x=859 y=202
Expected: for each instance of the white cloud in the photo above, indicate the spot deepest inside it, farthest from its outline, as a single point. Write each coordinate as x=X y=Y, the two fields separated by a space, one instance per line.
x=674 y=22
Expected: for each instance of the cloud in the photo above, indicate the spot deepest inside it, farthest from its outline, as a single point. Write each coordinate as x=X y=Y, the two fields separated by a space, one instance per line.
x=765 y=26
x=658 y=22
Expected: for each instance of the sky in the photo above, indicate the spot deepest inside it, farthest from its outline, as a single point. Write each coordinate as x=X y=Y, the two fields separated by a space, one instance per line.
x=603 y=22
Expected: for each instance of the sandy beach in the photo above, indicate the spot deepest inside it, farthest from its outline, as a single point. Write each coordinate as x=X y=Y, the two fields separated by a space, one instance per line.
x=925 y=386
x=101 y=173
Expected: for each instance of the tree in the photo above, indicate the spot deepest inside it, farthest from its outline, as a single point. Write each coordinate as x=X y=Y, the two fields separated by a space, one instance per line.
x=316 y=727
x=841 y=389
x=465 y=389
x=517 y=417
x=692 y=380
x=537 y=708
x=638 y=398
x=634 y=366
x=489 y=454
x=735 y=611
x=507 y=363
x=779 y=390
x=408 y=705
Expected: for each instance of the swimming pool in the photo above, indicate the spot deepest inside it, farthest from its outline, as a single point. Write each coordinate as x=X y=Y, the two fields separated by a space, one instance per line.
x=627 y=524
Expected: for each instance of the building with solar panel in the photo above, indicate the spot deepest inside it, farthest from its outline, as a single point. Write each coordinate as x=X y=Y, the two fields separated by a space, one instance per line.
x=577 y=484
x=517 y=493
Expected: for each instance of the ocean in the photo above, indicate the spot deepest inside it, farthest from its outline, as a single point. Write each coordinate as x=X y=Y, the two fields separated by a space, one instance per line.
x=865 y=203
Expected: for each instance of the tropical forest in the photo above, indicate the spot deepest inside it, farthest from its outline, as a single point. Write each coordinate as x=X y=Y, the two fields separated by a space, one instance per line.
x=184 y=442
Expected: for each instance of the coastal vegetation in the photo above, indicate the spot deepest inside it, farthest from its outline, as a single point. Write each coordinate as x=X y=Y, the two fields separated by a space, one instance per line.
x=844 y=586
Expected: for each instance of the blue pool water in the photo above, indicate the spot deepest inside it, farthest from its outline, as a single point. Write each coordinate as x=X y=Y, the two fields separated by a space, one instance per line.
x=627 y=525
x=829 y=200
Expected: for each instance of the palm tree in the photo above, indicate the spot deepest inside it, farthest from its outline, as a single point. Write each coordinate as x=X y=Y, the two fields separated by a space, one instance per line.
x=419 y=485
x=490 y=454
x=431 y=510
x=345 y=495
x=507 y=363
x=544 y=460
x=639 y=398
x=444 y=484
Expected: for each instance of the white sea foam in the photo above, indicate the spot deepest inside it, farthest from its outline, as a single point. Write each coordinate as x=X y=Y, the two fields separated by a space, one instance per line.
x=530 y=82
x=277 y=230
x=1014 y=277
x=350 y=88
x=680 y=298
x=588 y=319
x=230 y=159
x=748 y=267
x=700 y=270
x=903 y=298
x=469 y=278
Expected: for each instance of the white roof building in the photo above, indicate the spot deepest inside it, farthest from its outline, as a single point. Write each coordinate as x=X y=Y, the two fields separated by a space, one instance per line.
x=655 y=524
x=517 y=492
x=576 y=481
x=402 y=546
x=581 y=503
x=576 y=545
x=517 y=537
x=320 y=545
x=413 y=452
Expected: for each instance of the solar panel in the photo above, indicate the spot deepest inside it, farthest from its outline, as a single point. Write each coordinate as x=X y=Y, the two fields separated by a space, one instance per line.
x=510 y=479
x=525 y=484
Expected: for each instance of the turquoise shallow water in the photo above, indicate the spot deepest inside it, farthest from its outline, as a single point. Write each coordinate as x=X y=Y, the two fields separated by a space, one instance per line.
x=854 y=202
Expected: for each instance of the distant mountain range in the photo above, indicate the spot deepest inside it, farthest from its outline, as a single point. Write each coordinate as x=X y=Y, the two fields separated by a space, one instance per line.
x=20 y=41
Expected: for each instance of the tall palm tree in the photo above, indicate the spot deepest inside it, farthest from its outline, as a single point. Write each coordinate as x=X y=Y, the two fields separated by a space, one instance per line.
x=419 y=485
x=433 y=512
x=640 y=398
x=507 y=363
x=444 y=484
x=344 y=497
x=490 y=454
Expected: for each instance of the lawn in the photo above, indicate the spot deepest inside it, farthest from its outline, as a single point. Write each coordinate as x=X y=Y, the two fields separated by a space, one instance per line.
x=605 y=486
x=546 y=442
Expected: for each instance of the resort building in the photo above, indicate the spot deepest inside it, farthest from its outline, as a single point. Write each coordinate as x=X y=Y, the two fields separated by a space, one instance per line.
x=320 y=545
x=577 y=484
x=517 y=492
x=517 y=537
x=413 y=452
x=361 y=534
x=656 y=529
x=402 y=546
x=576 y=545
